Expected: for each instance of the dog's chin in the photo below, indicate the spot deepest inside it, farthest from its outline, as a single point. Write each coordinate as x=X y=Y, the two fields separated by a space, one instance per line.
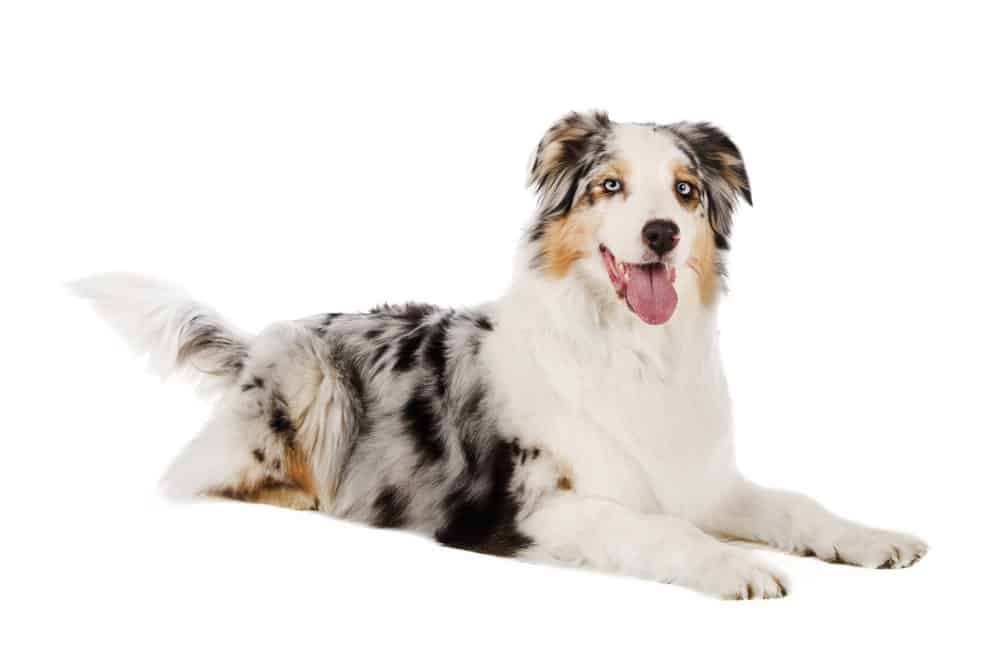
x=647 y=288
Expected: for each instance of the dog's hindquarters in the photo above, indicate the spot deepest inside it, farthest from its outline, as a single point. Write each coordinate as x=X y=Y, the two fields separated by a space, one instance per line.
x=280 y=434
x=282 y=416
x=383 y=417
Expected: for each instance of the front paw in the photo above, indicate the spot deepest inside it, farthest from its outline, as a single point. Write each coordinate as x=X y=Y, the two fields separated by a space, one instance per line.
x=868 y=547
x=733 y=574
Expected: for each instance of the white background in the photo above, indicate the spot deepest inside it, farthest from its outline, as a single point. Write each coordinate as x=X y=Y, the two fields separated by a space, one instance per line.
x=283 y=159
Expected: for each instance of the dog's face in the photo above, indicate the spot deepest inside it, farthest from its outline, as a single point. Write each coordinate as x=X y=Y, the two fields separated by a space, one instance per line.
x=625 y=207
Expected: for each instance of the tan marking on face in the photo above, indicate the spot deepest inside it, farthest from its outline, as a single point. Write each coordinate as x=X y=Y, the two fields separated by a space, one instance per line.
x=567 y=239
x=564 y=483
x=563 y=244
x=683 y=172
x=617 y=169
x=702 y=262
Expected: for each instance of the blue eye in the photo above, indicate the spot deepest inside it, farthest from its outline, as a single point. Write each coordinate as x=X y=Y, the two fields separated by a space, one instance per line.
x=684 y=189
x=611 y=185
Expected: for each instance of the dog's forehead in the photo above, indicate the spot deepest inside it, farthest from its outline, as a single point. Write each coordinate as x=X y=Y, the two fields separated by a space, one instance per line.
x=648 y=146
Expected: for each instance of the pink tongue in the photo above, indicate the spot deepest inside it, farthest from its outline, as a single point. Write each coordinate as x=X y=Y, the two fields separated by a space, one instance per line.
x=651 y=293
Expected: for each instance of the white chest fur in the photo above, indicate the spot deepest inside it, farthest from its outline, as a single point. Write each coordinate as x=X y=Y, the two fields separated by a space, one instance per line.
x=640 y=414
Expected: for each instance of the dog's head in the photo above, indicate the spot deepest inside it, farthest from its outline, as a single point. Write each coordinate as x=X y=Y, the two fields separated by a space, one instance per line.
x=626 y=207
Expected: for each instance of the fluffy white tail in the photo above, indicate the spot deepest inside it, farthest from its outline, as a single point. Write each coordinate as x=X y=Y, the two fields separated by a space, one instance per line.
x=162 y=321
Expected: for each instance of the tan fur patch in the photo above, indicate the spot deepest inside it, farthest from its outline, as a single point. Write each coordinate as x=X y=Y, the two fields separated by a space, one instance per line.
x=299 y=472
x=682 y=172
x=702 y=261
x=271 y=492
x=565 y=240
x=287 y=496
x=555 y=144
x=287 y=482
x=617 y=169
x=563 y=244
x=564 y=483
x=732 y=176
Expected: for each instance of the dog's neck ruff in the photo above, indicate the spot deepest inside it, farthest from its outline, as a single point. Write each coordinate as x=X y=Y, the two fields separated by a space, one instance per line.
x=591 y=324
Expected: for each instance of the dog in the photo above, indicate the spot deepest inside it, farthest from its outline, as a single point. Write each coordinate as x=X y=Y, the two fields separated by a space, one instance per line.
x=582 y=419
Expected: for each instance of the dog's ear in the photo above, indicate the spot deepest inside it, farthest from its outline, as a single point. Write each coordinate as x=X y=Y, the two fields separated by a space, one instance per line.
x=722 y=170
x=567 y=153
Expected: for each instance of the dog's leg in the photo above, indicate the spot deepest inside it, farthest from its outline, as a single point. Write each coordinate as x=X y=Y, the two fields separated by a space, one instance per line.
x=232 y=459
x=273 y=437
x=798 y=524
x=593 y=532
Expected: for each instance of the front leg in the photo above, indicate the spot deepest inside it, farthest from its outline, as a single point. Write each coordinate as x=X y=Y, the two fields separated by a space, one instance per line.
x=578 y=530
x=798 y=524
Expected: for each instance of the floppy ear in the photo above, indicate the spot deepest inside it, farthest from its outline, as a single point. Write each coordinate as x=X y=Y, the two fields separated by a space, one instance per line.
x=722 y=170
x=567 y=153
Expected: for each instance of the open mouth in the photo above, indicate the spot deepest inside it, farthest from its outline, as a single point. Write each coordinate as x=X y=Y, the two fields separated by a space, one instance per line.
x=648 y=289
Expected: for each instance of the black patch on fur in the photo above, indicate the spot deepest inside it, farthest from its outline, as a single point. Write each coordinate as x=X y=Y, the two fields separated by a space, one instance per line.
x=372 y=334
x=202 y=335
x=232 y=494
x=411 y=312
x=423 y=427
x=537 y=231
x=280 y=423
x=487 y=522
x=328 y=319
x=484 y=323
x=349 y=368
x=379 y=353
x=390 y=508
x=436 y=354
x=255 y=383
x=406 y=354
x=469 y=455
x=259 y=455
x=416 y=312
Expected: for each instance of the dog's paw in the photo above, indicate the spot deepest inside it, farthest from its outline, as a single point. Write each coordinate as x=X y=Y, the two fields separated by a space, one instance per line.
x=869 y=547
x=733 y=574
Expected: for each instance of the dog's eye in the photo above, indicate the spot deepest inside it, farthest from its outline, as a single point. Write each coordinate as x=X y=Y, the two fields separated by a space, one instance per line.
x=611 y=185
x=684 y=189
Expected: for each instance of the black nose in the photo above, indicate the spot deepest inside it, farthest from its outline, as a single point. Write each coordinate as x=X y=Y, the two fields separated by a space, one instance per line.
x=661 y=236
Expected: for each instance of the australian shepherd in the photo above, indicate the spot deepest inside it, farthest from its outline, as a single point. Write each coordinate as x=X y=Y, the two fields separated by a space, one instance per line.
x=583 y=418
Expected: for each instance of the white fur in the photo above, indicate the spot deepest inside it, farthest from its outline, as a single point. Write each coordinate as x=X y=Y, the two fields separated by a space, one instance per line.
x=151 y=316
